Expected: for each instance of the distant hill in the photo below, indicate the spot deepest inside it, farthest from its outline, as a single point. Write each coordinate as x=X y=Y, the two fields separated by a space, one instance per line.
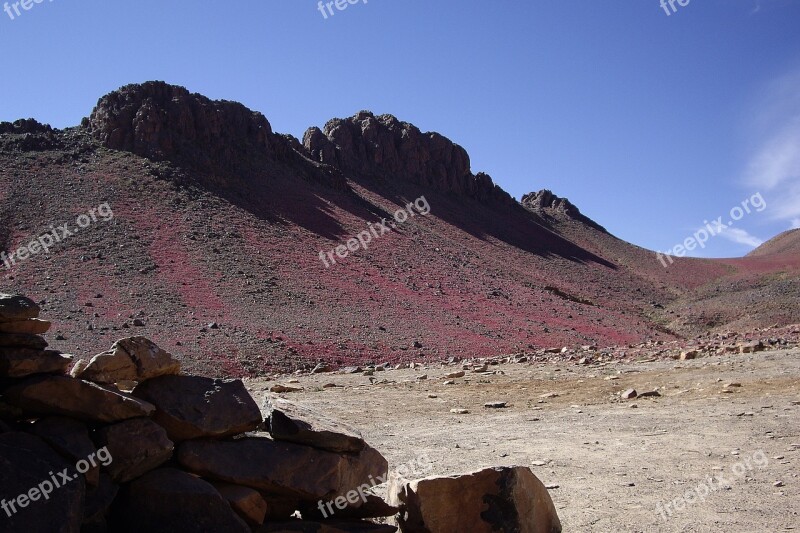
x=787 y=243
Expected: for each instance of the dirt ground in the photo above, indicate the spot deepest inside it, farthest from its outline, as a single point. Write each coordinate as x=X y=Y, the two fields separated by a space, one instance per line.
x=608 y=462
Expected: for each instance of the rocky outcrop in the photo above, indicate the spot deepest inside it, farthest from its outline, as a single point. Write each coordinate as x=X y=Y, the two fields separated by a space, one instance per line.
x=546 y=203
x=382 y=147
x=161 y=121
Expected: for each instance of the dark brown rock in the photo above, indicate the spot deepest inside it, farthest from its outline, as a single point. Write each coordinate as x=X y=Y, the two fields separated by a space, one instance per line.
x=15 y=307
x=292 y=422
x=190 y=407
x=490 y=500
x=331 y=526
x=22 y=362
x=22 y=340
x=248 y=503
x=137 y=446
x=98 y=503
x=282 y=467
x=26 y=463
x=32 y=326
x=61 y=395
x=71 y=439
x=168 y=499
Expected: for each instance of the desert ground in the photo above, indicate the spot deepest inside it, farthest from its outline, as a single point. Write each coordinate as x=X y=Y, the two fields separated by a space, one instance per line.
x=608 y=462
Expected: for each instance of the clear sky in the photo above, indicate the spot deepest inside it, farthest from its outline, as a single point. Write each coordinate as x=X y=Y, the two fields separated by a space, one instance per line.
x=650 y=123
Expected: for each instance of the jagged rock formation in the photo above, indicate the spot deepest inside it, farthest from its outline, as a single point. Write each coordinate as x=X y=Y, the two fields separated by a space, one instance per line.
x=161 y=121
x=544 y=202
x=384 y=147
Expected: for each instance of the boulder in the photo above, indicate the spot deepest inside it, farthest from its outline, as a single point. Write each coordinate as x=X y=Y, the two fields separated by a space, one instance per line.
x=14 y=307
x=169 y=499
x=190 y=407
x=283 y=467
x=33 y=326
x=136 y=446
x=22 y=340
x=62 y=395
x=486 y=501
x=130 y=359
x=332 y=526
x=292 y=422
x=22 y=362
x=71 y=439
x=97 y=504
x=248 y=503
x=27 y=469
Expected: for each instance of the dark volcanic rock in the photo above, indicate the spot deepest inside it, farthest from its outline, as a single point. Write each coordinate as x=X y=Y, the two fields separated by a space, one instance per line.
x=171 y=500
x=26 y=462
x=383 y=147
x=189 y=407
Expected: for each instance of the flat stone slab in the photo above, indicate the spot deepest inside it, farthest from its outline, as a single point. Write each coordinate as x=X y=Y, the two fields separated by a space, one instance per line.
x=293 y=422
x=67 y=396
x=282 y=467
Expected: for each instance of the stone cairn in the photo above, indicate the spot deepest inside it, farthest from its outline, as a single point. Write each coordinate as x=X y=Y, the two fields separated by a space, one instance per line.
x=123 y=441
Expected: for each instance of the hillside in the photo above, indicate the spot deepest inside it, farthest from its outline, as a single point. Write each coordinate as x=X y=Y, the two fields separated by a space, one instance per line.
x=220 y=227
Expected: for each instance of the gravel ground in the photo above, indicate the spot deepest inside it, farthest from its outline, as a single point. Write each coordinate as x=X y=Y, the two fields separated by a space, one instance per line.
x=610 y=462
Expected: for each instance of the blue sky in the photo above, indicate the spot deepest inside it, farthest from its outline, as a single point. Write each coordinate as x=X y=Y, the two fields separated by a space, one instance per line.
x=650 y=123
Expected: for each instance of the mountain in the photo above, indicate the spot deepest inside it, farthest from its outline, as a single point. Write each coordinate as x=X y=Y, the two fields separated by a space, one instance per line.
x=226 y=233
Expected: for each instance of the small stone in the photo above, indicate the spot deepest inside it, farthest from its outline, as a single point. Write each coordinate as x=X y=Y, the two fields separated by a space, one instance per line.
x=650 y=394
x=778 y=484
x=732 y=385
x=279 y=389
x=432 y=396
x=549 y=395
x=454 y=375
x=495 y=405
x=459 y=411
x=629 y=394
x=690 y=354
x=450 y=382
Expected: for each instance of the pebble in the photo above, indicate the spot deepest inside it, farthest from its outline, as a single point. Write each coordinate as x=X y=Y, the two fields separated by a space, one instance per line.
x=459 y=411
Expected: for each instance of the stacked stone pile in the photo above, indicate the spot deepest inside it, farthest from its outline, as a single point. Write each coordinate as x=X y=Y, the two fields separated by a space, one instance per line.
x=122 y=441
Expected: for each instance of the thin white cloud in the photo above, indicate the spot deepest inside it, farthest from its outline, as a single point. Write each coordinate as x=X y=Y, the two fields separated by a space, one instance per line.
x=741 y=236
x=795 y=224
x=774 y=165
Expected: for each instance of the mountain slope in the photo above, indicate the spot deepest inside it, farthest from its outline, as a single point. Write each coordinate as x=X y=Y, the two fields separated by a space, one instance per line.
x=219 y=224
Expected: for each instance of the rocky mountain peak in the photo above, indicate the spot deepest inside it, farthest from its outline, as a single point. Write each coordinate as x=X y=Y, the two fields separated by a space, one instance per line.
x=544 y=202
x=383 y=147
x=161 y=121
